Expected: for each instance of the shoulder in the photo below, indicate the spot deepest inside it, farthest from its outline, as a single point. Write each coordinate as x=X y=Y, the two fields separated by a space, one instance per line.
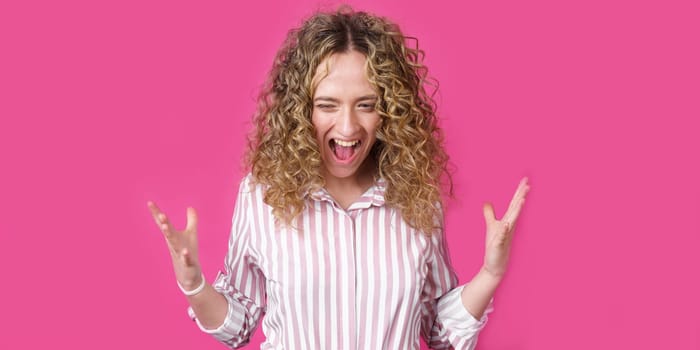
x=249 y=190
x=248 y=183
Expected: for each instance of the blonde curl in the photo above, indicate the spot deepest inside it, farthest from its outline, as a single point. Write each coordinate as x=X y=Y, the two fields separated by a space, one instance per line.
x=283 y=153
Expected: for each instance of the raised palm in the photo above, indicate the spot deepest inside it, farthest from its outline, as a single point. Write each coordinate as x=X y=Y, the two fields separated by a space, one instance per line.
x=181 y=244
x=499 y=233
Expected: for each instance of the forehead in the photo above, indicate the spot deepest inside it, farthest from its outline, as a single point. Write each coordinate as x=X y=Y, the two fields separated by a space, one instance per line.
x=343 y=74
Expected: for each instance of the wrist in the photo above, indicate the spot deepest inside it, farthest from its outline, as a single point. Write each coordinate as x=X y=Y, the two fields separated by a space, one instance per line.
x=491 y=277
x=193 y=287
x=191 y=283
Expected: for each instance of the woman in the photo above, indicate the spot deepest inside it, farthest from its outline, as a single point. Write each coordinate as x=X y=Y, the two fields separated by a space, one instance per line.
x=337 y=232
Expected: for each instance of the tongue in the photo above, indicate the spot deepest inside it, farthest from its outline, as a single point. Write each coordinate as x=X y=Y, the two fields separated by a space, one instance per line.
x=343 y=153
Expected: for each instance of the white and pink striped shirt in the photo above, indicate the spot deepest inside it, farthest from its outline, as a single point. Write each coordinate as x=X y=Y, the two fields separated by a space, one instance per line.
x=359 y=278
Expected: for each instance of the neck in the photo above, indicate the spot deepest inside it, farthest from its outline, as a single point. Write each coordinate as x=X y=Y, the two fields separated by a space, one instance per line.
x=357 y=184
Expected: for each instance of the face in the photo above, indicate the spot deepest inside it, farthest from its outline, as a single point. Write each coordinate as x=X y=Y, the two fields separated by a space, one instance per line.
x=344 y=117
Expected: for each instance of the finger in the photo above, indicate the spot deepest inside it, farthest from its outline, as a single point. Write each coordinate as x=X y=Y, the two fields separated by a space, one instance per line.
x=506 y=227
x=161 y=219
x=509 y=233
x=159 y=216
x=191 y=220
x=522 y=188
x=489 y=215
x=155 y=211
x=517 y=201
x=167 y=230
x=525 y=185
x=500 y=235
x=512 y=215
x=166 y=226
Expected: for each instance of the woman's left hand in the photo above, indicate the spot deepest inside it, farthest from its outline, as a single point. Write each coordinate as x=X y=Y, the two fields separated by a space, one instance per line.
x=499 y=233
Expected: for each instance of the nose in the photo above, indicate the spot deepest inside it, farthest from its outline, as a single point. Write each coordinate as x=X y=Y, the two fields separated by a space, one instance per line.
x=348 y=123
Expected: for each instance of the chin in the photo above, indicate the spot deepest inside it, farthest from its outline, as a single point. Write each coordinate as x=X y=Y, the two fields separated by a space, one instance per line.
x=342 y=173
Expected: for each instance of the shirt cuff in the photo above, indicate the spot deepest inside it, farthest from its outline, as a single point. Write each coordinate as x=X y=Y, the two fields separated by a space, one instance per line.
x=455 y=316
x=233 y=323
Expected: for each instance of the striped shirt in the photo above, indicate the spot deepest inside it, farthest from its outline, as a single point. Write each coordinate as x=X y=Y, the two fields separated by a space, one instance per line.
x=359 y=278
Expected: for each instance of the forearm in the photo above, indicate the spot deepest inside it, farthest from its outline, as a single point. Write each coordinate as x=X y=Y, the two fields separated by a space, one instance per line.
x=477 y=294
x=209 y=306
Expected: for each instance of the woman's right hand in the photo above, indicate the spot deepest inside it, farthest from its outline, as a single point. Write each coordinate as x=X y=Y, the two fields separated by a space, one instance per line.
x=182 y=246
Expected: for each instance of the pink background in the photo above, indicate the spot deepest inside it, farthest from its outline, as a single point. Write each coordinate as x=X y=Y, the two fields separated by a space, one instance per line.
x=105 y=105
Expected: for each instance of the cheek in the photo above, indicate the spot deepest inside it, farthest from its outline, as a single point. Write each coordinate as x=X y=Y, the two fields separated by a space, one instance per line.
x=318 y=131
x=319 y=138
x=316 y=127
x=314 y=121
x=375 y=126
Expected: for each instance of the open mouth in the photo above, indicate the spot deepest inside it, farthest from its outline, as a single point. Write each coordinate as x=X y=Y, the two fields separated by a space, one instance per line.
x=344 y=150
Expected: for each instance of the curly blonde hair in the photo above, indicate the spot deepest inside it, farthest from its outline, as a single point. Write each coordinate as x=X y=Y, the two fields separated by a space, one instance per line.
x=283 y=153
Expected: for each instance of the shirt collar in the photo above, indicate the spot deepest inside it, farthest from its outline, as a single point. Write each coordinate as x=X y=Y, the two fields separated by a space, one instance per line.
x=373 y=196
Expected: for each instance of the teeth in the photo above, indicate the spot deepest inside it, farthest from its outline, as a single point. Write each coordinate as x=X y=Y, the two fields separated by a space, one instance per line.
x=346 y=143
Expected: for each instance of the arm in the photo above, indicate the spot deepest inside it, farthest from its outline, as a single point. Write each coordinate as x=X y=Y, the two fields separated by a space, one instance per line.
x=230 y=308
x=446 y=321
x=219 y=309
x=478 y=293
x=499 y=235
x=182 y=245
x=209 y=305
x=456 y=322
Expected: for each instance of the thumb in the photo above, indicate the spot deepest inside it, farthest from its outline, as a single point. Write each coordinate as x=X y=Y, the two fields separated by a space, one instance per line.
x=489 y=215
x=191 y=219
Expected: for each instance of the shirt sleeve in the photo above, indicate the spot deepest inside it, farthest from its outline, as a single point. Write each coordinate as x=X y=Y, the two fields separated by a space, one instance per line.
x=241 y=282
x=446 y=323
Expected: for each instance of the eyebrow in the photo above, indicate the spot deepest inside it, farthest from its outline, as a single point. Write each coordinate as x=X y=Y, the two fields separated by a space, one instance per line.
x=332 y=99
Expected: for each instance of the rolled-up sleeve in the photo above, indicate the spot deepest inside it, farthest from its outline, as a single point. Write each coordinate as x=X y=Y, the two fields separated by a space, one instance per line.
x=461 y=329
x=446 y=323
x=241 y=282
